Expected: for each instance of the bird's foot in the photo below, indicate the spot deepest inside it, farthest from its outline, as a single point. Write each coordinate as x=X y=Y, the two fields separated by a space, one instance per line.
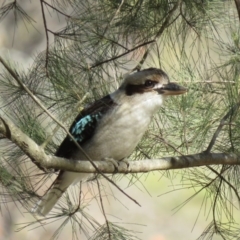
x=114 y=162
x=126 y=161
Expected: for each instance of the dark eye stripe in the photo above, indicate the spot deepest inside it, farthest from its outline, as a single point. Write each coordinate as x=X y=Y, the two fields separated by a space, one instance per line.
x=134 y=89
x=149 y=83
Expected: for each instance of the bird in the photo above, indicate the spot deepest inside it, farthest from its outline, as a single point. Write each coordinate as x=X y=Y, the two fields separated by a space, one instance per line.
x=111 y=127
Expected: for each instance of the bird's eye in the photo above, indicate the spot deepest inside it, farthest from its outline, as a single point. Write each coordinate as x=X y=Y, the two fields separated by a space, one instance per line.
x=149 y=83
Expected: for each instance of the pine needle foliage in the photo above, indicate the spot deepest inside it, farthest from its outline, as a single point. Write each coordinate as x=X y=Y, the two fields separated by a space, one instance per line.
x=196 y=42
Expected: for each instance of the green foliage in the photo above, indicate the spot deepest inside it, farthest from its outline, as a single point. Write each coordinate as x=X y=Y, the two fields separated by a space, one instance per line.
x=196 y=42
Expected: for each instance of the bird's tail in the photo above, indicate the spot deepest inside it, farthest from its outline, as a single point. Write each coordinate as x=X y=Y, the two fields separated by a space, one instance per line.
x=54 y=193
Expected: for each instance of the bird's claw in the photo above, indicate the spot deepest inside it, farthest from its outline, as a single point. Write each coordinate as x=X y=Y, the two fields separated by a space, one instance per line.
x=114 y=162
x=126 y=161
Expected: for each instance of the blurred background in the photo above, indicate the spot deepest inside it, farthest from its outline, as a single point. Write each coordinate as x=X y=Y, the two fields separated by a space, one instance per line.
x=160 y=216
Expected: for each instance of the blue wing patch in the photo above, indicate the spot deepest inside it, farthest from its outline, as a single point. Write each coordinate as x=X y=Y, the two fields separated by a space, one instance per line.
x=85 y=126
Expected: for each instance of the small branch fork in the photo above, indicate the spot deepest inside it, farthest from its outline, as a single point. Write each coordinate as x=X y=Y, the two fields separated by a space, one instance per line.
x=42 y=3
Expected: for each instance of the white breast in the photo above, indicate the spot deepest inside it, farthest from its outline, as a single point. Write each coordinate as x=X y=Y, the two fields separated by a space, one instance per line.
x=122 y=128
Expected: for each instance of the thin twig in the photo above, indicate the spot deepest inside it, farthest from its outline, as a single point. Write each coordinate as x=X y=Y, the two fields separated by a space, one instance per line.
x=185 y=19
x=140 y=63
x=64 y=14
x=121 y=55
x=46 y=33
x=49 y=138
x=110 y=23
x=166 y=22
x=227 y=182
x=209 y=81
x=158 y=34
x=104 y=214
x=177 y=208
x=222 y=123
x=214 y=207
x=112 y=41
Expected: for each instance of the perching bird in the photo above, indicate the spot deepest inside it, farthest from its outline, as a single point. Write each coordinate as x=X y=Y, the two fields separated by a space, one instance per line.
x=111 y=127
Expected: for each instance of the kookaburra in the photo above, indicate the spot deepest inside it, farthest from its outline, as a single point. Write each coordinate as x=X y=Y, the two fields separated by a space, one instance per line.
x=111 y=127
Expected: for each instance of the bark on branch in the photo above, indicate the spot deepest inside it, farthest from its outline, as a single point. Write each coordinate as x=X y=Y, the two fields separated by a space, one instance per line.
x=36 y=153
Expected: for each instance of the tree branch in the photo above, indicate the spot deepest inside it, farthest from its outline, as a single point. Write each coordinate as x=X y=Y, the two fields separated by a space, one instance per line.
x=165 y=163
x=222 y=123
x=32 y=150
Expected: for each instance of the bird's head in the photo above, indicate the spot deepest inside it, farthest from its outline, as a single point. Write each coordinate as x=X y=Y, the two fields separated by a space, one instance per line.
x=152 y=81
x=145 y=90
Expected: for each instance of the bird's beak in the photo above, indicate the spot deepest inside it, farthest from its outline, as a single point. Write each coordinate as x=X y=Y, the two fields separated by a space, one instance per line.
x=171 y=89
